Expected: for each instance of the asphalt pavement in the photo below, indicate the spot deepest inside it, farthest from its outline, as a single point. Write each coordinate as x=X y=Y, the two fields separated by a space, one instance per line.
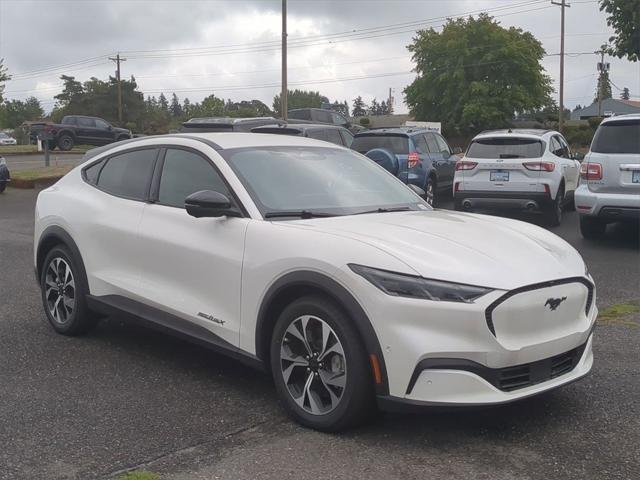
x=123 y=397
x=34 y=161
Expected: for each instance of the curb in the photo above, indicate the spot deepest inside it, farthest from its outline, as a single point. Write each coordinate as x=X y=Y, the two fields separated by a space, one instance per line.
x=37 y=183
x=19 y=154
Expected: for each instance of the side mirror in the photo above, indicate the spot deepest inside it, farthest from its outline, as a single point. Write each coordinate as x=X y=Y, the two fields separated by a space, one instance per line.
x=457 y=150
x=416 y=189
x=207 y=203
x=579 y=156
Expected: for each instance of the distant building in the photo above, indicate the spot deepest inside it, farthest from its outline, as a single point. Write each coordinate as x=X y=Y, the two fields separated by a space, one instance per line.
x=610 y=106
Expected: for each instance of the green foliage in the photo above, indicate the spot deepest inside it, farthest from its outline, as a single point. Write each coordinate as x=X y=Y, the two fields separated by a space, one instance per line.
x=476 y=75
x=603 y=87
x=365 y=122
x=139 y=475
x=594 y=121
x=579 y=135
x=359 y=107
x=4 y=77
x=624 y=17
x=14 y=112
x=299 y=99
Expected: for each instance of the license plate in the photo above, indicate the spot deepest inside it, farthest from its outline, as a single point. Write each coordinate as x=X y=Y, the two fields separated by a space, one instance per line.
x=499 y=176
x=635 y=176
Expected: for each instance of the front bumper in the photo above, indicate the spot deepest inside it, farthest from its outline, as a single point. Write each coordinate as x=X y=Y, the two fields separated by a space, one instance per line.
x=482 y=200
x=607 y=206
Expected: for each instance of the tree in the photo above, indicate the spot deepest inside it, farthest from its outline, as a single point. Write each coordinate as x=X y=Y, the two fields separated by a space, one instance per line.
x=578 y=107
x=624 y=17
x=299 y=99
x=163 y=103
x=476 y=74
x=175 y=108
x=625 y=95
x=374 y=109
x=359 y=107
x=603 y=89
x=4 y=77
x=186 y=108
x=14 y=112
x=210 y=106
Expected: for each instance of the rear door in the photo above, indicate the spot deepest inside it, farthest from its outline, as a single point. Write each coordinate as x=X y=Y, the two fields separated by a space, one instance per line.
x=500 y=164
x=616 y=147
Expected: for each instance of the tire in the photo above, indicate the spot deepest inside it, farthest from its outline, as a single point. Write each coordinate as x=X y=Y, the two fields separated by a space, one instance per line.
x=385 y=158
x=430 y=192
x=553 y=213
x=52 y=145
x=70 y=315
x=592 y=228
x=65 y=142
x=347 y=399
x=570 y=204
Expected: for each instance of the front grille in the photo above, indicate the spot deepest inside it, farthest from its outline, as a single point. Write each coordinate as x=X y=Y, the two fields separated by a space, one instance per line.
x=521 y=376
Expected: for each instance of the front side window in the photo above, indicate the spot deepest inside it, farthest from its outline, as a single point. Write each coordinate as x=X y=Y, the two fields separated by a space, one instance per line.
x=505 y=147
x=318 y=134
x=323 y=116
x=128 y=174
x=617 y=136
x=330 y=180
x=184 y=173
x=338 y=119
x=86 y=122
x=102 y=124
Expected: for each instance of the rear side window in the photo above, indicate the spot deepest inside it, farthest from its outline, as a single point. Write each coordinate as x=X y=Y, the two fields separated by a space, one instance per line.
x=318 y=134
x=129 y=174
x=397 y=144
x=69 y=121
x=347 y=138
x=421 y=144
x=91 y=173
x=300 y=114
x=442 y=145
x=333 y=136
x=431 y=143
x=505 y=148
x=184 y=173
x=622 y=136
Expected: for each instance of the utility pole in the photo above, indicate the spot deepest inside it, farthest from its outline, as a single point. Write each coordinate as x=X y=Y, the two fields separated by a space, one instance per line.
x=390 y=101
x=562 y=5
x=602 y=69
x=283 y=94
x=117 y=59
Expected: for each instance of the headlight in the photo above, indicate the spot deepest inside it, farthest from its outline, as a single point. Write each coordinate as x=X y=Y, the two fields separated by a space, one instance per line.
x=401 y=285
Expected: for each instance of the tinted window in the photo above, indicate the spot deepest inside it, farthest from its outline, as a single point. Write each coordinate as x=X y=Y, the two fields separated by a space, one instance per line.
x=69 y=121
x=347 y=137
x=318 y=134
x=300 y=114
x=505 y=148
x=566 y=153
x=557 y=148
x=129 y=174
x=398 y=144
x=101 y=124
x=86 y=122
x=91 y=173
x=621 y=136
x=421 y=143
x=442 y=145
x=431 y=143
x=333 y=136
x=338 y=119
x=185 y=173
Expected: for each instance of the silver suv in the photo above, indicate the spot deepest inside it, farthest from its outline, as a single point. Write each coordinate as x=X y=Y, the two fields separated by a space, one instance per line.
x=609 y=188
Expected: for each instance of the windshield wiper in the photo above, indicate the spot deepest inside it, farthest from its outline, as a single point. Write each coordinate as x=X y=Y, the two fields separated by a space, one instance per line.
x=384 y=210
x=299 y=213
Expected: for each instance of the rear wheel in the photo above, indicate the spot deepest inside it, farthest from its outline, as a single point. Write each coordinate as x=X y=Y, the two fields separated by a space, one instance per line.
x=320 y=366
x=3 y=185
x=553 y=214
x=592 y=228
x=430 y=192
x=65 y=142
x=64 y=293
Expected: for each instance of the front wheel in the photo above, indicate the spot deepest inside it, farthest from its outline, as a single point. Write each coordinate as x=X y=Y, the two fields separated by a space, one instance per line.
x=320 y=366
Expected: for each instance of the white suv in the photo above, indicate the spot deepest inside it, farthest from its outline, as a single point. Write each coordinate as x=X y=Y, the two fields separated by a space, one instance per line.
x=312 y=262
x=609 y=188
x=528 y=170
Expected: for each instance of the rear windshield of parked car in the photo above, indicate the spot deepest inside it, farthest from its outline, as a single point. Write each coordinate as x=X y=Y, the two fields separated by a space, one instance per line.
x=505 y=148
x=396 y=144
x=622 y=136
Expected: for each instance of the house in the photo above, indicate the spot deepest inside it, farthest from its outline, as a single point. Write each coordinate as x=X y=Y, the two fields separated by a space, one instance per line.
x=610 y=106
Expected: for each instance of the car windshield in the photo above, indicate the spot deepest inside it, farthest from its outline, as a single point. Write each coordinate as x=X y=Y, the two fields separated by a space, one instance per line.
x=512 y=147
x=621 y=136
x=397 y=144
x=317 y=179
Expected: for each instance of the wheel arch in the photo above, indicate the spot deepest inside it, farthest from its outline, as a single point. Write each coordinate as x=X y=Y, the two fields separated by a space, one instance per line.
x=66 y=131
x=299 y=283
x=51 y=237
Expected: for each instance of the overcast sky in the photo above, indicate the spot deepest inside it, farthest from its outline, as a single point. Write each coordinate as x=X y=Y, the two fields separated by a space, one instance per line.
x=231 y=47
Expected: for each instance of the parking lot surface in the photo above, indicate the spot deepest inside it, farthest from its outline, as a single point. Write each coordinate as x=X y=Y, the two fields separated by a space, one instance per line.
x=124 y=398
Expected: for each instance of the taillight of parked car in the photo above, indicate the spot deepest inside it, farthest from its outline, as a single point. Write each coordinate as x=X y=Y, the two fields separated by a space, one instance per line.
x=413 y=159
x=591 y=171
x=465 y=165
x=540 y=166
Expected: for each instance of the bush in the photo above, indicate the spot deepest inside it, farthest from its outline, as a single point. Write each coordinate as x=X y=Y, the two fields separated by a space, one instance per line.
x=594 y=122
x=365 y=122
x=579 y=135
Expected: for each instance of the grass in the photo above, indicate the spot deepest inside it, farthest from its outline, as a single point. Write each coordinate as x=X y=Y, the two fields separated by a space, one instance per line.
x=619 y=314
x=13 y=149
x=41 y=173
x=139 y=475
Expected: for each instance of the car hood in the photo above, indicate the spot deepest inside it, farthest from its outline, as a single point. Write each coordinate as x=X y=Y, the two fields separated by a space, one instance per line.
x=461 y=247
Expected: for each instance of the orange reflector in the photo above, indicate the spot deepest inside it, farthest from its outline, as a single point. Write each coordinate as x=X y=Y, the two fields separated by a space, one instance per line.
x=375 y=367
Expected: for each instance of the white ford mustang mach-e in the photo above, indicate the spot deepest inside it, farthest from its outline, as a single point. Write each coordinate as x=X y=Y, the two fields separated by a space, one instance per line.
x=311 y=261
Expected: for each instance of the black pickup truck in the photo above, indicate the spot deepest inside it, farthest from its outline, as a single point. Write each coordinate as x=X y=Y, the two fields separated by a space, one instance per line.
x=79 y=130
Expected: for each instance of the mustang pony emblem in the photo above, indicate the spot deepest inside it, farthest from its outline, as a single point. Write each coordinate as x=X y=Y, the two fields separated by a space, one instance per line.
x=554 y=303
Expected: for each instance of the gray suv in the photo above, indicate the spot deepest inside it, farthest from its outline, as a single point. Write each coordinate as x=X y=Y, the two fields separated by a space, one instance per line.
x=609 y=188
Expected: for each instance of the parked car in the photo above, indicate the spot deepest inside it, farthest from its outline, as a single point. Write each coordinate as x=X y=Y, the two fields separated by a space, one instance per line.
x=526 y=170
x=321 y=115
x=416 y=156
x=7 y=140
x=5 y=175
x=79 y=130
x=310 y=261
x=609 y=188
x=227 y=124
x=328 y=133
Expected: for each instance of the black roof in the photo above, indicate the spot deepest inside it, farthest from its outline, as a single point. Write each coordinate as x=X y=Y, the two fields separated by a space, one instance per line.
x=408 y=131
x=295 y=128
